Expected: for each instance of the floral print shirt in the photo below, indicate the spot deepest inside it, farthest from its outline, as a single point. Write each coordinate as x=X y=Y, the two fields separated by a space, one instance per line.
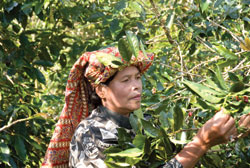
x=95 y=134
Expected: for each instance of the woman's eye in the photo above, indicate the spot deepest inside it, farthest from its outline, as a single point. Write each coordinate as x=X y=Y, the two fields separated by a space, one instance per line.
x=138 y=77
x=125 y=80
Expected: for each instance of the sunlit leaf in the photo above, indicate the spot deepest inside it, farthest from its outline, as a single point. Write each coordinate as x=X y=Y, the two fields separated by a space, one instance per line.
x=203 y=91
x=149 y=129
x=139 y=141
x=226 y=53
x=107 y=59
x=4 y=153
x=133 y=152
x=133 y=42
x=124 y=49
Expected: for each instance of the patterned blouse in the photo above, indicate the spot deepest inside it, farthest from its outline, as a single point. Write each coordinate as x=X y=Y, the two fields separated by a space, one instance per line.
x=95 y=134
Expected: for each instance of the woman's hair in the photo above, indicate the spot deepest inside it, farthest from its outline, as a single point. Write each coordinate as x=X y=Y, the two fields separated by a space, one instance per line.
x=95 y=100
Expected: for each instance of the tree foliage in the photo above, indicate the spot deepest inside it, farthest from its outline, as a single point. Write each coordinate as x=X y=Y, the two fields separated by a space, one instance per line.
x=201 y=64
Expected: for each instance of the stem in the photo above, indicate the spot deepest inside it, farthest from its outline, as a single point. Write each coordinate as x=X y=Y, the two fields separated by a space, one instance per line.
x=13 y=123
x=166 y=30
x=184 y=130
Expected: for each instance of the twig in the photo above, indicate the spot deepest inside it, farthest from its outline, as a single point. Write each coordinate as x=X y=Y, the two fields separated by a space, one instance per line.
x=231 y=33
x=184 y=130
x=181 y=59
x=235 y=68
x=166 y=30
x=200 y=40
x=169 y=97
x=13 y=123
x=205 y=62
x=171 y=67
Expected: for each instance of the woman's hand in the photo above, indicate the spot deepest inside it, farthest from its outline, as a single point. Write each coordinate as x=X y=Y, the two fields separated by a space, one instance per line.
x=219 y=129
x=245 y=123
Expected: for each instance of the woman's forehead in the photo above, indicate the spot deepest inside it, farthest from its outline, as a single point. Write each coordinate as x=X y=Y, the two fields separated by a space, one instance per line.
x=128 y=71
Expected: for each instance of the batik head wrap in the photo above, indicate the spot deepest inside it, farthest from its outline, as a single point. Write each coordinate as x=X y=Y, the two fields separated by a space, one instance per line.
x=87 y=69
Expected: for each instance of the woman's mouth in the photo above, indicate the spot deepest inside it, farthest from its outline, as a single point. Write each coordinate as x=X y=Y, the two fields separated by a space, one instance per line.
x=137 y=97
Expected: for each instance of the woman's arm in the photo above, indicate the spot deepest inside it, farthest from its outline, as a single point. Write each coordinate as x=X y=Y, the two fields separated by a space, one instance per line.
x=215 y=131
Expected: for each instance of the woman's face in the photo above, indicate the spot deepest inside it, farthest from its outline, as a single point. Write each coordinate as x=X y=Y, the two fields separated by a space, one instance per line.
x=123 y=93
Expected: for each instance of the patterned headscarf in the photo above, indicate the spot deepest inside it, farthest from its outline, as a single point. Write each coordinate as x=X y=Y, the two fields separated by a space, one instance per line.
x=87 y=69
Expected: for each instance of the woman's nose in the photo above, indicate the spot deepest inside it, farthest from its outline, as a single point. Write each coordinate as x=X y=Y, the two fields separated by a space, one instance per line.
x=137 y=85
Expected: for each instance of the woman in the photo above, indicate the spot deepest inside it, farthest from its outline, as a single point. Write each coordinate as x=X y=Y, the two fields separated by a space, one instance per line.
x=119 y=90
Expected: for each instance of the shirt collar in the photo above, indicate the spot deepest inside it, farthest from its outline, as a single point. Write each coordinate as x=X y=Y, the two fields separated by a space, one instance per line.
x=119 y=119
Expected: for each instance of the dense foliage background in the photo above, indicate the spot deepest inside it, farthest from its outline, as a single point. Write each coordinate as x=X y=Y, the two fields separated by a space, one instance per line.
x=199 y=41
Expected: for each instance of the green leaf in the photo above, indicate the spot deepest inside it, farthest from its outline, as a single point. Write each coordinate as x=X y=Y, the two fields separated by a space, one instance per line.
x=226 y=63
x=115 y=27
x=107 y=59
x=136 y=7
x=20 y=148
x=133 y=119
x=217 y=3
x=123 y=136
x=211 y=84
x=149 y=129
x=43 y=63
x=120 y=5
x=124 y=49
x=237 y=87
x=204 y=5
x=139 y=141
x=26 y=109
x=218 y=78
x=178 y=117
x=133 y=152
x=233 y=77
x=13 y=163
x=206 y=105
x=246 y=110
x=243 y=92
x=39 y=75
x=27 y=7
x=203 y=91
x=164 y=119
x=38 y=7
x=225 y=53
x=138 y=113
x=246 y=79
x=133 y=42
x=63 y=60
x=170 y=19
x=166 y=141
x=4 y=153
x=143 y=49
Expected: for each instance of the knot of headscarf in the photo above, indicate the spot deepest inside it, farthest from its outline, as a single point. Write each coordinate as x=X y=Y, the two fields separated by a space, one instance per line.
x=87 y=69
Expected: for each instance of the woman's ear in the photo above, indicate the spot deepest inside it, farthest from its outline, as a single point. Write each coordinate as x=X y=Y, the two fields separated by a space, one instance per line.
x=101 y=91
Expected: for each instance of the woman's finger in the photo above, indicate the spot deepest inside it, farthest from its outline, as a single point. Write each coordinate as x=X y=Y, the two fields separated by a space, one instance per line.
x=229 y=124
x=245 y=122
x=242 y=118
x=232 y=133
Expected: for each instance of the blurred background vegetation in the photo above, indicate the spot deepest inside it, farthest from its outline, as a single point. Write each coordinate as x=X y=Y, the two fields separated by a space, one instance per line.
x=41 y=39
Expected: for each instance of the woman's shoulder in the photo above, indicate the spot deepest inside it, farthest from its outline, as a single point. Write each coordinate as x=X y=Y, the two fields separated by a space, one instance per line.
x=95 y=119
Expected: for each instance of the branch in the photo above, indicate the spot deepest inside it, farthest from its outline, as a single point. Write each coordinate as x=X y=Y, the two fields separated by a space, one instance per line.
x=166 y=30
x=184 y=130
x=231 y=33
x=181 y=59
x=13 y=123
x=205 y=62
x=188 y=73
